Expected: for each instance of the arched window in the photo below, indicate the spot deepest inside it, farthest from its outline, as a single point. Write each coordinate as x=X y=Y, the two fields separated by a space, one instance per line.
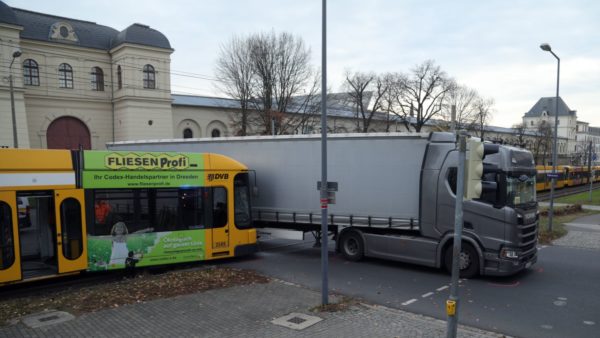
x=31 y=73
x=215 y=133
x=65 y=76
x=119 y=78
x=97 y=79
x=149 y=77
x=188 y=133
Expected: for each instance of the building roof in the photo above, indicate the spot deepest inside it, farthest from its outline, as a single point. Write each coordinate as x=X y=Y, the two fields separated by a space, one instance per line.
x=141 y=35
x=37 y=26
x=204 y=101
x=547 y=105
x=7 y=15
x=594 y=131
x=226 y=103
x=57 y=29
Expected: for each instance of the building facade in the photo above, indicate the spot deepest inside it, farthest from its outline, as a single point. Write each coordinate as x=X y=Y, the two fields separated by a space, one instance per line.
x=77 y=83
x=574 y=136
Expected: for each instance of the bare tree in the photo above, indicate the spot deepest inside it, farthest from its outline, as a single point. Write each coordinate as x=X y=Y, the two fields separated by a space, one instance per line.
x=520 y=129
x=464 y=99
x=423 y=94
x=270 y=74
x=483 y=115
x=234 y=69
x=281 y=64
x=366 y=92
x=543 y=142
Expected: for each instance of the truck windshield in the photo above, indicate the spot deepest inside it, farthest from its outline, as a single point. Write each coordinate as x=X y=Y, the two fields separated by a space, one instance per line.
x=520 y=190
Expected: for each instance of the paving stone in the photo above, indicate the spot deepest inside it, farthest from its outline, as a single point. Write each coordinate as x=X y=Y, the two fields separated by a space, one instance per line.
x=242 y=311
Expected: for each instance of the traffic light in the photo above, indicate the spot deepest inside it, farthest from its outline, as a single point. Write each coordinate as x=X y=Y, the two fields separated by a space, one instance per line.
x=474 y=169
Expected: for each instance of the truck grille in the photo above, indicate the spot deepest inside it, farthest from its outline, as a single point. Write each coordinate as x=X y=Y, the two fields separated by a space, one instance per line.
x=528 y=237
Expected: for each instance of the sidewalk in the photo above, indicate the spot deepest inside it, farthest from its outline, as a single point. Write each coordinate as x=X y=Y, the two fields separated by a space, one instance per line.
x=584 y=232
x=243 y=311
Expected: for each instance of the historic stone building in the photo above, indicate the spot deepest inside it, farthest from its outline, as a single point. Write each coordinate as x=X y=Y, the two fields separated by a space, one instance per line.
x=574 y=136
x=79 y=83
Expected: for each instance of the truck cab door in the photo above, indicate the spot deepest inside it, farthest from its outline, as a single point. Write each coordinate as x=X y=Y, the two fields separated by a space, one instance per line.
x=71 y=241
x=10 y=259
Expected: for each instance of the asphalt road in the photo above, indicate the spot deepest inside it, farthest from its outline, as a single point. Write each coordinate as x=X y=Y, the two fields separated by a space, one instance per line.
x=558 y=297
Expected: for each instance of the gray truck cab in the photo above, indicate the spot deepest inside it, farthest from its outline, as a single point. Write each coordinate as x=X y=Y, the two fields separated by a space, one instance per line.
x=501 y=227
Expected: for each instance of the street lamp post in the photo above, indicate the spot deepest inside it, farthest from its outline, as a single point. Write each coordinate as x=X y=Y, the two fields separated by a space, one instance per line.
x=15 y=55
x=546 y=47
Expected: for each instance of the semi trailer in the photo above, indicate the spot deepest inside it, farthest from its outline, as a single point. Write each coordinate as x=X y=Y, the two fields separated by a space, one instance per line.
x=395 y=195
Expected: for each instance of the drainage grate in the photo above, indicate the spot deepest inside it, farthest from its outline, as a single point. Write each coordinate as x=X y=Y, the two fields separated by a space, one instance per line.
x=46 y=318
x=296 y=321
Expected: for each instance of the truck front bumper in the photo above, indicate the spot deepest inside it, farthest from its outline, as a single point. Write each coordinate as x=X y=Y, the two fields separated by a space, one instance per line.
x=496 y=266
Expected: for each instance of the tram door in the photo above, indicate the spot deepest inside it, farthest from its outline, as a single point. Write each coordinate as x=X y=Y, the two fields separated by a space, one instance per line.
x=10 y=266
x=70 y=230
x=36 y=224
x=220 y=229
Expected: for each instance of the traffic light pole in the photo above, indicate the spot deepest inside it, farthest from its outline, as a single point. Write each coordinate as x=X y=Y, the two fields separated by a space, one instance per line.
x=452 y=302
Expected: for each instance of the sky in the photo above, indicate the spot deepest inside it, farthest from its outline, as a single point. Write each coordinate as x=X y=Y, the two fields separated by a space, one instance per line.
x=491 y=46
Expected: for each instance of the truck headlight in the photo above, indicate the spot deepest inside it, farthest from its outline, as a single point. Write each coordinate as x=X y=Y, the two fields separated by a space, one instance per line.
x=509 y=253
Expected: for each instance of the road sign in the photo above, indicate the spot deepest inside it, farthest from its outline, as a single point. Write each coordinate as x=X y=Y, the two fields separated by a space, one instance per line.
x=552 y=175
x=331 y=186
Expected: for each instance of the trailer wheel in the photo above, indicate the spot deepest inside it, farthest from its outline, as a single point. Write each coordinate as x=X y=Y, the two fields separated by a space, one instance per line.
x=468 y=260
x=352 y=246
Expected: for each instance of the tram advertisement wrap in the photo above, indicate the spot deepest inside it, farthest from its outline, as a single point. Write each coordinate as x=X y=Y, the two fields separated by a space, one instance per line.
x=145 y=249
x=106 y=169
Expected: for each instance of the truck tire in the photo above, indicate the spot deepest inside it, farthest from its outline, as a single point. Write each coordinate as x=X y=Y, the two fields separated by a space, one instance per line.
x=352 y=246
x=468 y=260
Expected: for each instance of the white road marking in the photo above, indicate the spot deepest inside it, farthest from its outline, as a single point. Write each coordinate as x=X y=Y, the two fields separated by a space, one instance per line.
x=408 y=302
x=588 y=322
x=442 y=288
x=427 y=295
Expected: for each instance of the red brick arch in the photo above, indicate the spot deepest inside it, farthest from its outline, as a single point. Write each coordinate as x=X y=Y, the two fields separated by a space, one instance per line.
x=68 y=133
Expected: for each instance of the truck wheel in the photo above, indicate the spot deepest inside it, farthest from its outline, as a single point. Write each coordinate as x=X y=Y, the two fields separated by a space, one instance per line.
x=352 y=246
x=468 y=260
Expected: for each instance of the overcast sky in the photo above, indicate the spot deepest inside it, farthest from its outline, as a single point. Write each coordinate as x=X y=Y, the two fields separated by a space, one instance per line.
x=491 y=46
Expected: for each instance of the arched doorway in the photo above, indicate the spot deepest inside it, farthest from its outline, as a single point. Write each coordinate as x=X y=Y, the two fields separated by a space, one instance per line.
x=68 y=133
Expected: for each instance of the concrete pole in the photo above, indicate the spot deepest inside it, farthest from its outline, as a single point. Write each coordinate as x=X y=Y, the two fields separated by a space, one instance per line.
x=15 y=55
x=12 y=110
x=324 y=198
x=453 y=301
x=546 y=47
x=590 y=176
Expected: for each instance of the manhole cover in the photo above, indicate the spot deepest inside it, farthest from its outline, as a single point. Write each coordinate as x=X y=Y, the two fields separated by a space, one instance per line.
x=46 y=318
x=296 y=321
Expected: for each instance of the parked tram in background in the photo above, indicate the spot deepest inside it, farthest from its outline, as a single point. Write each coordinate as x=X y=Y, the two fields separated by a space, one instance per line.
x=568 y=176
x=63 y=212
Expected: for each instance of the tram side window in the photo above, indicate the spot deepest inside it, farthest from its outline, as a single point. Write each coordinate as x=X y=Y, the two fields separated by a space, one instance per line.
x=155 y=210
x=540 y=178
x=219 y=198
x=241 y=201
x=7 y=252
